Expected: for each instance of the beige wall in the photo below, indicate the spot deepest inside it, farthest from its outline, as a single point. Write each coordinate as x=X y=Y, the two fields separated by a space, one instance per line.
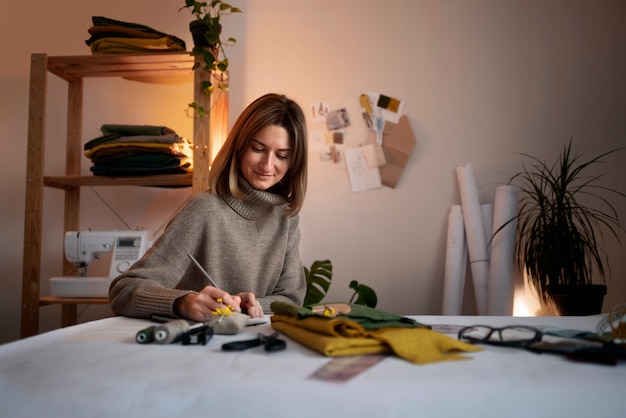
x=481 y=80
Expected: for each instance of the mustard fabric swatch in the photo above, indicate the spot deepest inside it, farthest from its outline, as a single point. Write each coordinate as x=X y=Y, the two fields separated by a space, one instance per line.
x=342 y=337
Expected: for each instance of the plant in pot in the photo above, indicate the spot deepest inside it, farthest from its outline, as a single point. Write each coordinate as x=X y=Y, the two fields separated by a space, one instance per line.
x=206 y=31
x=318 y=279
x=563 y=212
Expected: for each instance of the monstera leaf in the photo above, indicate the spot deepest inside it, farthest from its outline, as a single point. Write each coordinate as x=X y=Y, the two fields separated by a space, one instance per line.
x=318 y=279
x=364 y=295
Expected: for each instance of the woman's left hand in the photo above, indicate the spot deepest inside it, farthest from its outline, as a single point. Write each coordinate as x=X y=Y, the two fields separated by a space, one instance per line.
x=250 y=305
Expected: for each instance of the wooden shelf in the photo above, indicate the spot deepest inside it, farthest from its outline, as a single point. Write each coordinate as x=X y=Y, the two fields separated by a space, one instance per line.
x=53 y=300
x=122 y=65
x=170 y=68
x=164 y=180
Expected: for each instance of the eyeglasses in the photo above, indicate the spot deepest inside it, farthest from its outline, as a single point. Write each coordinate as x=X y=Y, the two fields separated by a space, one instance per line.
x=511 y=336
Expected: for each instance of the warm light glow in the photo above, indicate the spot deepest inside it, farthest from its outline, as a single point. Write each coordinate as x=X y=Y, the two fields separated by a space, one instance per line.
x=526 y=301
x=209 y=132
x=519 y=302
x=218 y=118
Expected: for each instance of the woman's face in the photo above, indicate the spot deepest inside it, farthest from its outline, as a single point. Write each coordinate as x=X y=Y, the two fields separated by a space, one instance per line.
x=266 y=160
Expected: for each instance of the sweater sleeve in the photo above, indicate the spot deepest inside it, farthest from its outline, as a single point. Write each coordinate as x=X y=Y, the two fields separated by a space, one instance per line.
x=150 y=286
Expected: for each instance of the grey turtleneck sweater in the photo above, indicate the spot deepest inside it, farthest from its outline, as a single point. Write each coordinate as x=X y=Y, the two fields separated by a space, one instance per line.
x=245 y=246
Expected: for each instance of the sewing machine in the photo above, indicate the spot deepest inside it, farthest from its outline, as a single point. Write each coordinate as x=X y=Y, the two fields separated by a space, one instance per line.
x=83 y=247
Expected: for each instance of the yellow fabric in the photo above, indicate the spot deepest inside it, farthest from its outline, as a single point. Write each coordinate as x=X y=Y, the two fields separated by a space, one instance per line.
x=342 y=337
x=134 y=45
x=320 y=335
x=182 y=148
x=421 y=346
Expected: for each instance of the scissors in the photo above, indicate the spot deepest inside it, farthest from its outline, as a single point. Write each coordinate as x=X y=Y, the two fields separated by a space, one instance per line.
x=270 y=343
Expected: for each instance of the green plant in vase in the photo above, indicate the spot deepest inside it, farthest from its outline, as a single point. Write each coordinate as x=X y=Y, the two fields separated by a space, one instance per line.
x=318 y=279
x=562 y=213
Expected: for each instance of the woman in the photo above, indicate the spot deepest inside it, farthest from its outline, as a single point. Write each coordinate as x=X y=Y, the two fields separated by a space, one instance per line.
x=243 y=231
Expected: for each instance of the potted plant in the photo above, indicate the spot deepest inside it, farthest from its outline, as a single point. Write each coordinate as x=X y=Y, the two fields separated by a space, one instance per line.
x=206 y=31
x=318 y=279
x=562 y=214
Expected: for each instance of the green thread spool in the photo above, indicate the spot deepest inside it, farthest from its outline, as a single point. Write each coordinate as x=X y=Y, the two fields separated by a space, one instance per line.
x=145 y=336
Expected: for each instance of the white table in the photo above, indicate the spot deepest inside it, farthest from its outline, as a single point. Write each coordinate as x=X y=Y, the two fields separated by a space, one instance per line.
x=98 y=370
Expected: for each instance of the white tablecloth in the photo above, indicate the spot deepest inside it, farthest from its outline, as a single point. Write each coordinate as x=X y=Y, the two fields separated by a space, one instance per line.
x=98 y=370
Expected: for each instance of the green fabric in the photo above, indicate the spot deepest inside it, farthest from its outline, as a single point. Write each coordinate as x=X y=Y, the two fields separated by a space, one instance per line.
x=127 y=130
x=369 y=318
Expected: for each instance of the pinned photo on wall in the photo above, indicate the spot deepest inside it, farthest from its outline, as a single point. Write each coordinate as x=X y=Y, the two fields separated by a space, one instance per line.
x=387 y=107
x=337 y=119
x=319 y=111
x=332 y=138
x=332 y=155
x=317 y=141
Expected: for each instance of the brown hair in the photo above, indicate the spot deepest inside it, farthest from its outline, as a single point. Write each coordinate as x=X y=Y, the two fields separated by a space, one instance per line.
x=270 y=109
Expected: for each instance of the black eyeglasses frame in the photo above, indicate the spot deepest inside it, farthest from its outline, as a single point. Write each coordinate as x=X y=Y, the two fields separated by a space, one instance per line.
x=518 y=343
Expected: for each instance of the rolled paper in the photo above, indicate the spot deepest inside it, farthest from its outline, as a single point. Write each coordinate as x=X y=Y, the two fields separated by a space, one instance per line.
x=477 y=245
x=456 y=263
x=501 y=267
x=486 y=212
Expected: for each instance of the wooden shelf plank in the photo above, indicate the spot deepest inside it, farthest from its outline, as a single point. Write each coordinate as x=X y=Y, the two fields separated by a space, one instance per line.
x=163 y=180
x=53 y=300
x=122 y=65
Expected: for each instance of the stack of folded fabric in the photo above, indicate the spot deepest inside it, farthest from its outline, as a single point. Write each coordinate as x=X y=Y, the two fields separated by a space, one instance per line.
x=109 y=36
x=127 y=150
x=360 y=330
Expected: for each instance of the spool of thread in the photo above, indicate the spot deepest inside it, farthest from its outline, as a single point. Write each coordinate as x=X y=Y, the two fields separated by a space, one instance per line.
x=171 y=331
x=145 y=336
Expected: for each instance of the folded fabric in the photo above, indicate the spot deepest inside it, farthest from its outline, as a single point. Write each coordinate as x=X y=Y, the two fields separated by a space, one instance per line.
x=369 y=318
x=111 y=132
x=340 y=336
x=134 y=45
x=183 y=149
x=107 y=154
x=143 y=165
x=98 y=32
x=113 y=23
x=109 y=128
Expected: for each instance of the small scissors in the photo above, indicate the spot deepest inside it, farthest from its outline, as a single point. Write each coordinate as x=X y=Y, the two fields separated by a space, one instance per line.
x=270 y=343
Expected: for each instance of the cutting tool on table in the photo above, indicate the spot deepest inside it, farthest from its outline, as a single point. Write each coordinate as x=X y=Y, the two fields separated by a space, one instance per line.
x=270 y=342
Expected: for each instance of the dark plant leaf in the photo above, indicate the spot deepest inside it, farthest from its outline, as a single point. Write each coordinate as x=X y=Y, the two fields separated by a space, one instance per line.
x=365 y=295
x=318 y=280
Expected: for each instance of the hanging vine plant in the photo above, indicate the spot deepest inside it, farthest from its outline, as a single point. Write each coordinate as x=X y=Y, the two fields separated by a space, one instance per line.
x=206 y=31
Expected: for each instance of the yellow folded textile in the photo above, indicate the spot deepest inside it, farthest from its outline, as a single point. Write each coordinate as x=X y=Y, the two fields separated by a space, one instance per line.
x=123 y=31
x=134 y=45
x=335 y=337
x=183 y=148
x=422 y=346
x=319 y=335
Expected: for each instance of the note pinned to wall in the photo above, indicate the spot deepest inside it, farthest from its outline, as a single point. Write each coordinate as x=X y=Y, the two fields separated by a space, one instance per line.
x=374 y=155
x=362 y=177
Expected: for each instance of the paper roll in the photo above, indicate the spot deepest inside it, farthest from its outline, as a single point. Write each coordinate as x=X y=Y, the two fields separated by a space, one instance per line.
x=501 y=267
x=456 y=263
x=477 y=247
x=486 y=212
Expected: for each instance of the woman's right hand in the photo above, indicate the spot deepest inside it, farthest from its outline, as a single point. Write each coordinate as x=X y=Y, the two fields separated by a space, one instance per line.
x=200 y=306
